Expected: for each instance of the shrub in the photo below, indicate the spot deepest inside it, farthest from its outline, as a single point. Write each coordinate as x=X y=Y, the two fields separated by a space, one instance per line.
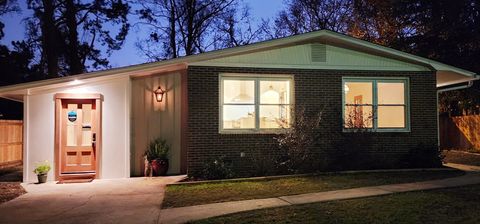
x=216 y=169
x=296 y=141
x=157 y=149
x=424 y=156
x=352 y=149
x=263 y=162
x=42 y=168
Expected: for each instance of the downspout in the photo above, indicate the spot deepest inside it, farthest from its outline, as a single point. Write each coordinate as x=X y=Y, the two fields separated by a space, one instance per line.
x=466 y=86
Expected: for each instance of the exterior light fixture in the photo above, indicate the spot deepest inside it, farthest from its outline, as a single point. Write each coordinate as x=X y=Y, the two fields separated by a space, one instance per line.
x=75 y=82
x=159 y=94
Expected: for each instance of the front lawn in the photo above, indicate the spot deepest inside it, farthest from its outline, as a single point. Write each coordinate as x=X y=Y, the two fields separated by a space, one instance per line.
x=455 y=205
x=195 y=194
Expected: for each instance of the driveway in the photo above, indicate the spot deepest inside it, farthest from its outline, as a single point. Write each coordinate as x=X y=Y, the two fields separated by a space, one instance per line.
x=132 y=200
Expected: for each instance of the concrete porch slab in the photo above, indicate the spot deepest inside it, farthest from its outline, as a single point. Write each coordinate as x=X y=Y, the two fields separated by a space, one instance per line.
x=129 y=200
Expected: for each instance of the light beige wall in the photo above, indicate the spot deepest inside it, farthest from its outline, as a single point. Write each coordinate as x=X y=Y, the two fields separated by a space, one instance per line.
x=39 y=114
x=151 y=119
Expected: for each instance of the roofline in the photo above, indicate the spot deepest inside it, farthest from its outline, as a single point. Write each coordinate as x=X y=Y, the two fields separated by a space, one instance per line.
x=239 y=50
x=401 y=53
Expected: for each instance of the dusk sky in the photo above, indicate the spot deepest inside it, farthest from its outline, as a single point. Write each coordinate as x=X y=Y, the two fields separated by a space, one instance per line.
x=128 y=55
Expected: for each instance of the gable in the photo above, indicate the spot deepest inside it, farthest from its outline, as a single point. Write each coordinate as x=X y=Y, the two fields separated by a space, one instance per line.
x=314 y=56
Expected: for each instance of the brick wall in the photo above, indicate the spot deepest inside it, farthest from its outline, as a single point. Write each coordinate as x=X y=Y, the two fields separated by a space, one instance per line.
x=315 y=89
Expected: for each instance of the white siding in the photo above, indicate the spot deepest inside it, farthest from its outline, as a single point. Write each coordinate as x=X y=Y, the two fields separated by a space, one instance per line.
x=39 y=121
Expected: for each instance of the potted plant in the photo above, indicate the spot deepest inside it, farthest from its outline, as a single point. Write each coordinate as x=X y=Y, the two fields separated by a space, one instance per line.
x=42 y=170
x=157 y=156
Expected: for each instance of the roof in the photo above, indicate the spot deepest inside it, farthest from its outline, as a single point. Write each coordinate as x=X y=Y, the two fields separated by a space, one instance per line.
x=455 y=74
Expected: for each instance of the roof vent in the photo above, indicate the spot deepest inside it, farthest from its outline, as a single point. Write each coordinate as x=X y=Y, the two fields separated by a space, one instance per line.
x=319 y=52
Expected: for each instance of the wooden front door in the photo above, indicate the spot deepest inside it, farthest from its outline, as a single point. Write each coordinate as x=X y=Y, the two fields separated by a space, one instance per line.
x=78 y=127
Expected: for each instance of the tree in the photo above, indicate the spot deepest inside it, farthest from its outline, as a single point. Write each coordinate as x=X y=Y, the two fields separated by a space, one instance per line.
x=184 y=27
x=303 y=16
x=386 y=23
x=6 y=7
x=67 y=33
x=235 y=28
x=14 y=63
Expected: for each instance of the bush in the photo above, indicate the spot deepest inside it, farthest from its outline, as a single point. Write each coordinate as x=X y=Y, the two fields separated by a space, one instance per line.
x=263 y=161
x=424 y=156
x=216 y=169
x=296 y=141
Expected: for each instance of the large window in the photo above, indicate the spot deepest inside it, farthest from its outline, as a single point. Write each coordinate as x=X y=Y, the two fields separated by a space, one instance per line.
x=254 y=103
x=378 y=104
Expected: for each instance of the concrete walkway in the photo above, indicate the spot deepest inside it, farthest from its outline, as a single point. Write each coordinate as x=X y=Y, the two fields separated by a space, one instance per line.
x=190 y=213
x=132 y=200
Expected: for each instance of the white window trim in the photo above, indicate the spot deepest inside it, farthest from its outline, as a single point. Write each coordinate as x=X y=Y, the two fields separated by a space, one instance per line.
x=374 y=81
x=257 y=78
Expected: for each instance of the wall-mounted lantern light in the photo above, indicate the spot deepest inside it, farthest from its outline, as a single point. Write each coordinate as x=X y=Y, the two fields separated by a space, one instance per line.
x=159 y=94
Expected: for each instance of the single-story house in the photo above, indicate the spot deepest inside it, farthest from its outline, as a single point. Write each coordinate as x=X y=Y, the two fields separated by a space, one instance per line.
x=226 y=102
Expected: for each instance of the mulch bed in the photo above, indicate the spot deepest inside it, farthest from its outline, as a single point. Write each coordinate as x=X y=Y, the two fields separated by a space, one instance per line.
x=10 y=179
x=10 y=190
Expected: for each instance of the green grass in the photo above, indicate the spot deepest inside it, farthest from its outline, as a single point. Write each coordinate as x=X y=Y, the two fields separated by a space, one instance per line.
x=187 y=195
x=455 y=205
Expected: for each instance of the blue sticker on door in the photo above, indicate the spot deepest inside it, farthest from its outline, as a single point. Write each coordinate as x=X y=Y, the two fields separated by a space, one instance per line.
x=72 y=116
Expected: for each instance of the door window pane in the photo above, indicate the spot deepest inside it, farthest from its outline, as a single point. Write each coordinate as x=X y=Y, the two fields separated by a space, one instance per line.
x=274 y=92
x=72 y=123
x=87 y=124
x=239 y=91
x=391 y=93
x=358 y=116
x=274 y=116
x=391 y=116
x=238 y=117
x=358 y=92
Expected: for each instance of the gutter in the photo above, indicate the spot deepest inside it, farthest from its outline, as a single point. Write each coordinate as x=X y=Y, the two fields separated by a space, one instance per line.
x=458 y=87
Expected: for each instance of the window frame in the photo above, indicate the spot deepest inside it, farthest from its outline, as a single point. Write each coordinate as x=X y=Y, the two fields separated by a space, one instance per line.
x=375 y=105
x=256 y=78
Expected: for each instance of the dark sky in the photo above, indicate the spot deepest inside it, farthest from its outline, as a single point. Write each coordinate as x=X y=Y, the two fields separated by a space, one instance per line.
x=14 y=29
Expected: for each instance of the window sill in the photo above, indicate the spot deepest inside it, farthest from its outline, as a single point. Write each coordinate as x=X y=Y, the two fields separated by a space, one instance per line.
x=346 y=130
x=252 y=132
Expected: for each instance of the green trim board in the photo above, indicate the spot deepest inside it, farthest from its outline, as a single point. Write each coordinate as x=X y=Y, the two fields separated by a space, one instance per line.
x=375 y=104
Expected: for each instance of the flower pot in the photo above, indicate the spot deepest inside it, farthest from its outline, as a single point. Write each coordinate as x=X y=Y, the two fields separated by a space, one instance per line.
x=42 y=178
x=160 y=167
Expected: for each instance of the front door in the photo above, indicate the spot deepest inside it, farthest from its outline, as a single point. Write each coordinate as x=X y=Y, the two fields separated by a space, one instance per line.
x=79 y=126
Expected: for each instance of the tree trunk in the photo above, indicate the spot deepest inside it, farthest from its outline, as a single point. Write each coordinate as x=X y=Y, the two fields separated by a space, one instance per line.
x=190 y=20
x=49 y=39
x=75 y=63
x=173 y=33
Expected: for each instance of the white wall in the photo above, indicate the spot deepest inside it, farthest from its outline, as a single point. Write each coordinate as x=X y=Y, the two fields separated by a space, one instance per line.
x=39 y=129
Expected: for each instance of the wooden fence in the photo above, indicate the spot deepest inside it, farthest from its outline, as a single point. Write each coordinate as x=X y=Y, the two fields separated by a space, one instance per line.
x=460 y=132
x=11 y=142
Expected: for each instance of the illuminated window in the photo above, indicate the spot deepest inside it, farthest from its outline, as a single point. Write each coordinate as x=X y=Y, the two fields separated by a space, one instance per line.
x=376 y=104
x=255 y=103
